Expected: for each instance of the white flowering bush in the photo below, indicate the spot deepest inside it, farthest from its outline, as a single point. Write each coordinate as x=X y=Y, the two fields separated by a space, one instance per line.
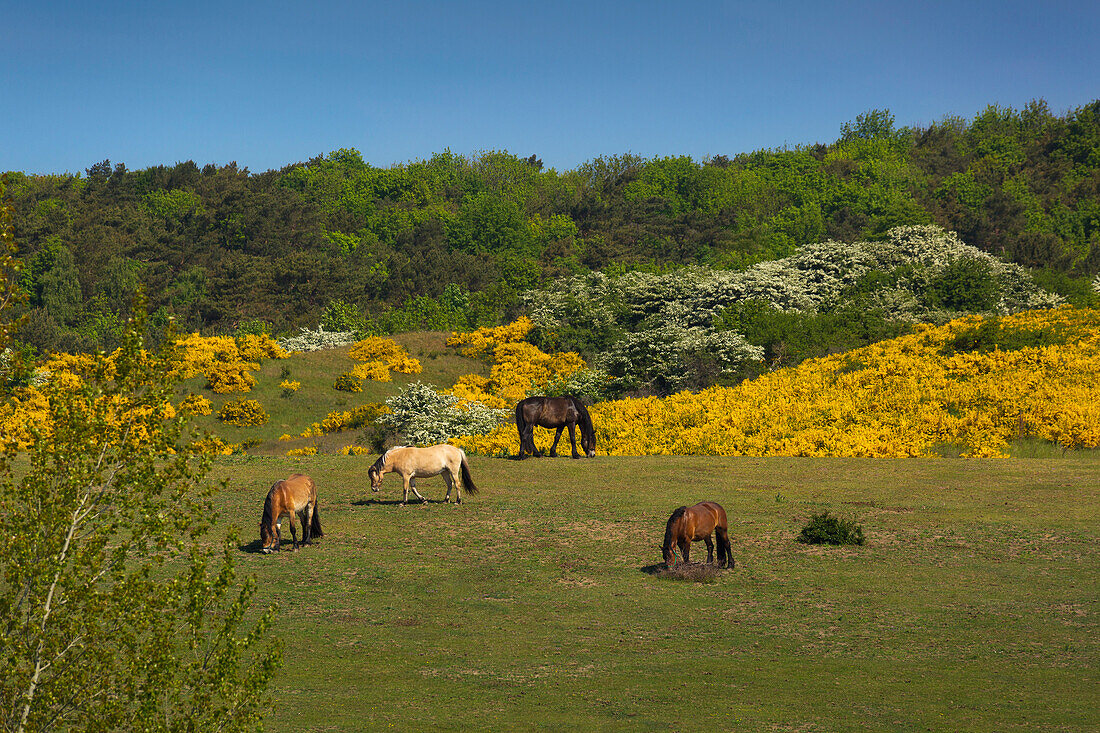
x=814 y=278
x=316 y=340
x=426 y=417
x=657 y=330
x=667 y=359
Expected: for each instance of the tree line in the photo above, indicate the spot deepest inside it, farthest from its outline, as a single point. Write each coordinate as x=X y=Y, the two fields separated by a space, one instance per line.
x=452 y=241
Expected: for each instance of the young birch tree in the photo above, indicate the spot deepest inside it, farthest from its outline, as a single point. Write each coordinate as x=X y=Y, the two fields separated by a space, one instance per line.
x=113 y=613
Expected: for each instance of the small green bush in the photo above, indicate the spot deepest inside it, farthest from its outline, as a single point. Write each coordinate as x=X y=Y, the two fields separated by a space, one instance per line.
x=825 y=530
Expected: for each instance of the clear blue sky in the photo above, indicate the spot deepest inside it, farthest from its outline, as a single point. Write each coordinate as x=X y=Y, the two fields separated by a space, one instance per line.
x=267 y=83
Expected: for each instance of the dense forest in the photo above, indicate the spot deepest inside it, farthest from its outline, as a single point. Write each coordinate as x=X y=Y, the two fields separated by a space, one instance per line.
x=454 y=241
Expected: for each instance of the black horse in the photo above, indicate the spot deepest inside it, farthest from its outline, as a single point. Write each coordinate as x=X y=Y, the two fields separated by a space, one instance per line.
x=554 y=412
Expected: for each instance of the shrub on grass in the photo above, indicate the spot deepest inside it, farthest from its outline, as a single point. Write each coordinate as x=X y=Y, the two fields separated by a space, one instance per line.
x=348 y=382
x=242 y=413
x=825 y=530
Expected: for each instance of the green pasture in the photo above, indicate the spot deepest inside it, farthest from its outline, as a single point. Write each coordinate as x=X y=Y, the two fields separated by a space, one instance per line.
x=972 y=607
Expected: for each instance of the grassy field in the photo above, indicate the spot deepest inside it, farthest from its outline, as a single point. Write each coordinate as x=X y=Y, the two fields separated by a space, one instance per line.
x=532 y=606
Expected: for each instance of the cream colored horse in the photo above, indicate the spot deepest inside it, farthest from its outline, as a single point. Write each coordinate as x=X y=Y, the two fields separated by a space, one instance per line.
x=413 y=463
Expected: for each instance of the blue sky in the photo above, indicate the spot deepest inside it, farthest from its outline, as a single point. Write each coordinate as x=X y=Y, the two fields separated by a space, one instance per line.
x=270 y=83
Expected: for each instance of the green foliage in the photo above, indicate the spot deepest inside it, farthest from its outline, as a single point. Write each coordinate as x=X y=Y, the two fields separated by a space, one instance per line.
x=991 y=334
x=113 y=616
x=218 y=245
x=790 y=337
x=823 y=529
x=252 y=327
x=967 y=284
x=342 y=316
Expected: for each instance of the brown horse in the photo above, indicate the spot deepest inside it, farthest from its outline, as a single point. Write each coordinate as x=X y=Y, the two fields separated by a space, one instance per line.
x=554 y=412
x=691 y=524
x=413 y=463
x=295 y=496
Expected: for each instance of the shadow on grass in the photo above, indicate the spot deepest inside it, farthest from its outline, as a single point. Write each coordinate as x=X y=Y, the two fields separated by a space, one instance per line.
x=257 y=546
x=691 y=572
x=396 y=502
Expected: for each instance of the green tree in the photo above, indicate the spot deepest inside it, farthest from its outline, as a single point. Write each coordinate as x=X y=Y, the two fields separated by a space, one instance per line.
x=113 y=615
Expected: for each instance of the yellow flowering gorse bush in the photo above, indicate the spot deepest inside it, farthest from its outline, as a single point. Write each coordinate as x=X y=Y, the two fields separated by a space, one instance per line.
x=242 y=412
x=380 y=356
x=518 y=367
x=897 y=398
x=226 y=362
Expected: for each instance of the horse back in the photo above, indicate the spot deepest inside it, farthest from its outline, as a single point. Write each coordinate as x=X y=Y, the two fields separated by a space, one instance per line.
x=296 y=491
x=425 y=462
x=709 y=514
x=548 y=412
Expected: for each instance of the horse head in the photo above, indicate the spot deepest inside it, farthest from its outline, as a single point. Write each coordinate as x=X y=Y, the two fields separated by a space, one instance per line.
x=375 y=478
x=269 y=538
x=588 y=443
x=668 y=553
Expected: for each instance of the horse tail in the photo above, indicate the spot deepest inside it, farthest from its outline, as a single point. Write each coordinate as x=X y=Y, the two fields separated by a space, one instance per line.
x=315 y=523
x=467 y=480
x=723 y=536
x=521 y=426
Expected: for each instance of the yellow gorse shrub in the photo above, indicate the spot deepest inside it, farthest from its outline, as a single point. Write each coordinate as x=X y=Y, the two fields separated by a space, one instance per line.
x=897 y=398
x=242 y=412
x=226 y=362
x=485 y=340
x=380 y=357
x=518 y=367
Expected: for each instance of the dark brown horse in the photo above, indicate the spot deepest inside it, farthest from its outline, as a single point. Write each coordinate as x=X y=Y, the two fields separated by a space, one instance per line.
x=691 y=524
x=554 y=412
x=292 y=497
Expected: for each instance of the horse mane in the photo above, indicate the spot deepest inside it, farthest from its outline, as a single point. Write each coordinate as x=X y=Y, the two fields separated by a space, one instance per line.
x=677 y=515
x=269 y=508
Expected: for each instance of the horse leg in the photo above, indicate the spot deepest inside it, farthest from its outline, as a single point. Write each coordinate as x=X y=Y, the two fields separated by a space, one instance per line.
x=529 y=436
x=573 y=439
x=685 y=550
x=710 y=550
x=448 y=478
x=412 y=484
x=554 y=447
x=293 y=530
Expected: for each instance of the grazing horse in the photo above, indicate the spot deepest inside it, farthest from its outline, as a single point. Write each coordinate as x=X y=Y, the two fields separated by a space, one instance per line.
x=295 y=496
x=554 y=412
x=691 y=524
x=413 y=463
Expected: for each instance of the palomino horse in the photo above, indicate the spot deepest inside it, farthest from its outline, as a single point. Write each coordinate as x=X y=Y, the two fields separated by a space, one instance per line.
x=413 y=463
x=554 y=412
x=691 y=524
x=295 y=496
